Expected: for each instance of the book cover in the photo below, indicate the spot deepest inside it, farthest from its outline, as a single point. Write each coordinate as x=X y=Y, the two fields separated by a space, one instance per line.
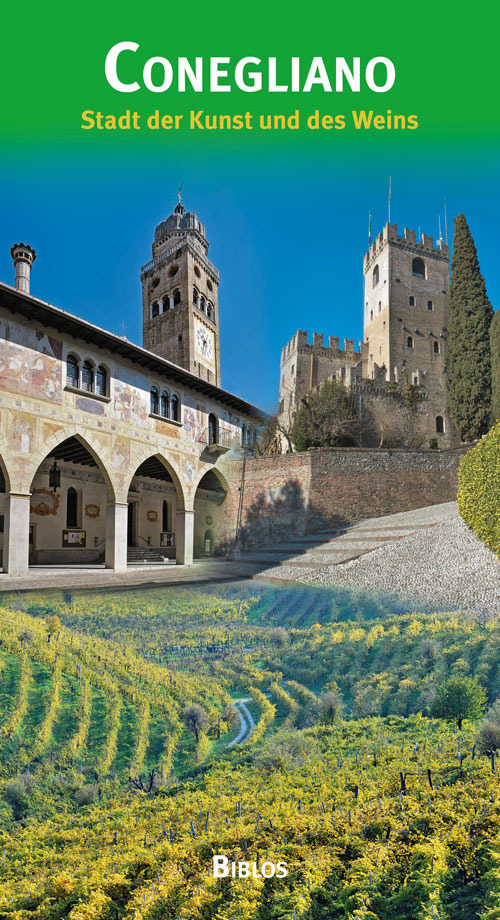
x=249 y=454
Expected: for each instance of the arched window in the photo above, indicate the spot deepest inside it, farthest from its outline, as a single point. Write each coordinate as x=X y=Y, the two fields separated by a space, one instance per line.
x=409 y=342
x=164 y=516
x=177 y=297
x=101 y=381
x=155 y=309
x=175 y=408
x=87 y=377
x=213 y=428
x=195 y=296
x=164 y=404
x=439 y=424
x=153 y=401
x=72 y=507
x=210 y=310
x=376 y=276
x=436 y=348
x=202 y=304
x=429 y=305
x=411 y=301
x=418 y=268
x=72 y=371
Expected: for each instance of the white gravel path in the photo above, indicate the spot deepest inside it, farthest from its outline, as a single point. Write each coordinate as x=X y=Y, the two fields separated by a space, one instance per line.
x=445 y=566
x=247 y=723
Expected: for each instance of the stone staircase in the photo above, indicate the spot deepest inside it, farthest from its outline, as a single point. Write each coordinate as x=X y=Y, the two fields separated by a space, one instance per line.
x=144 y=555
x=324 y=548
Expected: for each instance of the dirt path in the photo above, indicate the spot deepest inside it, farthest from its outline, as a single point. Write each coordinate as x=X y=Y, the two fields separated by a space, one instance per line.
x=247 y=723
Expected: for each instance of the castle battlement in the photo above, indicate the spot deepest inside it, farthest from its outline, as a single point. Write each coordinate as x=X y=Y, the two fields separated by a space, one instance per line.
x=408 y=241
x=299 y=342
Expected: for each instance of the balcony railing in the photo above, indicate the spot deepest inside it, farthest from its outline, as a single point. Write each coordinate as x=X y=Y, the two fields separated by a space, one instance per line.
x=219 y=442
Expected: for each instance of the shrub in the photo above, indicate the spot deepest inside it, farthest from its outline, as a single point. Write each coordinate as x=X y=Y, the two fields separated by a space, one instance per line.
x=479 y=489
x=85 y=795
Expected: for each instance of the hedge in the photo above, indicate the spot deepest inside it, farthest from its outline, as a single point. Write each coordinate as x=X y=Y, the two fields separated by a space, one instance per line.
x=479 y=489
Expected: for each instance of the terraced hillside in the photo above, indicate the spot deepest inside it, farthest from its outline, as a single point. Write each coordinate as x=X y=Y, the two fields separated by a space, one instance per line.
x=119 y=778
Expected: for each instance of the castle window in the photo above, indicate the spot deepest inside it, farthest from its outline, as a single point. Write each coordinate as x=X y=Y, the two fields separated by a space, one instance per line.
x=210 y=285
x=429 y=305
x=195 y=297
x=411 y=301
x=418 y=268
x=436 y=348
x=376 y=276
x=409 y=342
x=87 y=377
x=177 y=297
x=173 y=271
x=164 y=404
x=415 y=381
x=156 y=282
x=202 y=304
x=153 y=401
x=72 y=371
x=155 y=309
x=101 y=381
x=72 y=508
x=197 y=271
x=164 y=517
x=439 y=424
x=213 y=428
x=175 y=408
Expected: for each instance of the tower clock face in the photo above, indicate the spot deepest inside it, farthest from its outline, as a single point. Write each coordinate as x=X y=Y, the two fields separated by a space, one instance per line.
x=205 y=342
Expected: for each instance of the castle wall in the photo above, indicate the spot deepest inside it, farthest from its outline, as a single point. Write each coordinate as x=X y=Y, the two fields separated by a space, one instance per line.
x=294 y=494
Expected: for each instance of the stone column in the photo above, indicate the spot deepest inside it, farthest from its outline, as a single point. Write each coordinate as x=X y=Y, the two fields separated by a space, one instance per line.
x=170 y=301
x=17 y=533
x=184 y=537
x=160 y=306
x=116 y=536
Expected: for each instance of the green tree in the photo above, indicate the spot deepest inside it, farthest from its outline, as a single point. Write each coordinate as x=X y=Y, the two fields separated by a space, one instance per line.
x=495 y=367
x=468 y=363
x=459 y=698
x=326 y=417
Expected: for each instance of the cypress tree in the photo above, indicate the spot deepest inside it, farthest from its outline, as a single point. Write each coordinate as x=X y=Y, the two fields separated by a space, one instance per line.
x=469 y=359
x=495 y=367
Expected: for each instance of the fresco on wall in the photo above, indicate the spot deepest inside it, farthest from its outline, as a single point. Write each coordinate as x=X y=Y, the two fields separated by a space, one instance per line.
x=130 y=403
x=23 y=433
x=30 y=362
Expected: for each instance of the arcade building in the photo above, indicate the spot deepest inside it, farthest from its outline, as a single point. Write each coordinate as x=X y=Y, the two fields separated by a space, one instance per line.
x=111 y=453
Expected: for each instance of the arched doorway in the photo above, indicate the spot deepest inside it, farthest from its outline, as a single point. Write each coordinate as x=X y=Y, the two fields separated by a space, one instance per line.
x=70 y=493
x=155 y=502
x=212 y=516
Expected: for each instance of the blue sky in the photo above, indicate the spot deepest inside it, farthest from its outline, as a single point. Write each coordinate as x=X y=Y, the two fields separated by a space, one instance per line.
x=287 y=234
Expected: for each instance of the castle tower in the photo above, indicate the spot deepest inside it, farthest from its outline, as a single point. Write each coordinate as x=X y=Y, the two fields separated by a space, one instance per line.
x=23 y=257
x=180 y=297
x=406 y=312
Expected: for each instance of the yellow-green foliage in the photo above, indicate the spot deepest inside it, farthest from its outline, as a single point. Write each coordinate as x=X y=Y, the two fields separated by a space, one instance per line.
x=479 y=489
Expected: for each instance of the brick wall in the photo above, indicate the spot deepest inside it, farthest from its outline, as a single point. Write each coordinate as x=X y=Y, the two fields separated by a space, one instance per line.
x=293 y=494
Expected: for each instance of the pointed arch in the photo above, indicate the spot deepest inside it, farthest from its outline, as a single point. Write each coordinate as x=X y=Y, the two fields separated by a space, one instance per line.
x=88 y=442
x=167 y=462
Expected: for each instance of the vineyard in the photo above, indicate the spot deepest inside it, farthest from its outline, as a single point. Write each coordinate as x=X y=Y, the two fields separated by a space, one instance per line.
x=119 y=778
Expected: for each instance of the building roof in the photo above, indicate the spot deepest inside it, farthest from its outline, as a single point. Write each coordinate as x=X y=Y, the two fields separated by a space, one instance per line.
x=31 y=308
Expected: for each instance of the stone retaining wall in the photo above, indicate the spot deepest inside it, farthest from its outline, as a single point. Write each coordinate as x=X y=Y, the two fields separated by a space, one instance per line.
x=293 y=494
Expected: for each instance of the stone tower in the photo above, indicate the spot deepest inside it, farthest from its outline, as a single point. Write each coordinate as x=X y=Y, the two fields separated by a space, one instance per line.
x=406 y=312
x=180 y=297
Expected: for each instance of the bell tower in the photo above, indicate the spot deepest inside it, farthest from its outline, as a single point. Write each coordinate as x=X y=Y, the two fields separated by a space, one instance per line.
x=180 y=297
